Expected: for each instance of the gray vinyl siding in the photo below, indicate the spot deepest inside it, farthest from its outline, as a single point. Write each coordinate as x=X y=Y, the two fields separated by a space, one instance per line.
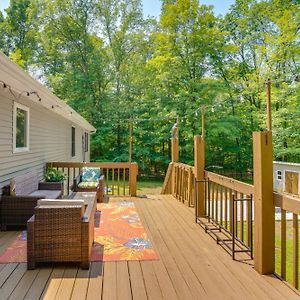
x=49 y=139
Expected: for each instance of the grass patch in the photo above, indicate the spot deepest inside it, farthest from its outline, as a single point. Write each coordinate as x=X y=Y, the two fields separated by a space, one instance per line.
x=143 y=187
x=289 y=250
x=289 y=246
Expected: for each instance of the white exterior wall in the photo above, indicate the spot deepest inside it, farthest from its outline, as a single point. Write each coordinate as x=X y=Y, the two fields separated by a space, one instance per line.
x=49 y=139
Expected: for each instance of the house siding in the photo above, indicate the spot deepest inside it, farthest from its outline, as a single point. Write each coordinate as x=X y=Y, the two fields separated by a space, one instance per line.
x=49 y=139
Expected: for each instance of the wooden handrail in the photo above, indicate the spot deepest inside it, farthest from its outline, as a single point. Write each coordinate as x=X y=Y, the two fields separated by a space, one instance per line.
x=184 y=166
x=287 y=202
x=103 y=165
x=120 y=178
x=167 y=186
x=230 y=183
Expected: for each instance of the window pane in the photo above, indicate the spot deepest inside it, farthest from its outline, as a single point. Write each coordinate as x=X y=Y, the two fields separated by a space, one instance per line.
x=73 y=141
x=86 y=135
x=21 y=129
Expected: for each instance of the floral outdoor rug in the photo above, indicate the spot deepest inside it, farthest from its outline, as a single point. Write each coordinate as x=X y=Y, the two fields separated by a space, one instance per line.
x=119 y=236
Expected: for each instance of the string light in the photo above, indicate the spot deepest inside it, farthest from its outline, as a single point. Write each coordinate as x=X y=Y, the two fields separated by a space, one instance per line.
x=212 y=108
x=17 y=97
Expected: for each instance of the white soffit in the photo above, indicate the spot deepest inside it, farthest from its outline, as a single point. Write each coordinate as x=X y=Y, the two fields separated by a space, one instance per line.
x=19 y=81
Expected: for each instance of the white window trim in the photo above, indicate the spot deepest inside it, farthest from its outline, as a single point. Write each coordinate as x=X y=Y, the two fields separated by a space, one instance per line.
x=25 y=108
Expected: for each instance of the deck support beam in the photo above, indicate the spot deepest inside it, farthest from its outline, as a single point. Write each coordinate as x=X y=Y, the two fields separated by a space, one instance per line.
x=264 y=221
x=199 y=161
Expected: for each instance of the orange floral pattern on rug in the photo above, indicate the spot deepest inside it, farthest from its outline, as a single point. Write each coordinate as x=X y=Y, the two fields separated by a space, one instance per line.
x=119 y=236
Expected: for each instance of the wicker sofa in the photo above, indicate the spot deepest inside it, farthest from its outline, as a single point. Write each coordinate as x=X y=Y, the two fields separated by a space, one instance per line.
x=61 y=231
x=25 y=190
x=90 y=180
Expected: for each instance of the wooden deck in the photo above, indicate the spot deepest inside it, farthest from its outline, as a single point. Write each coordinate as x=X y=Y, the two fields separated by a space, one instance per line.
x=191 y=266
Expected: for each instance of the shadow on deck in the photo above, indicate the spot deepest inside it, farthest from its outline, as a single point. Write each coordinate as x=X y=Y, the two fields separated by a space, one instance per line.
x=191 y=266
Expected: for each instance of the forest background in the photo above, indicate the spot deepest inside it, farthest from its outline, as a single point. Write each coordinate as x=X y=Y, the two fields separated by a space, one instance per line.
x=110 y=62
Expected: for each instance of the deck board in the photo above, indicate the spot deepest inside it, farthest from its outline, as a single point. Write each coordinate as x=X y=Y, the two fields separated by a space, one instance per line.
x=95 y=282
x=38 y=285
x=123 y=281
x=261 y=286
x=138 y=288
x=190 y=266
x=110 y=281
x=81 y=285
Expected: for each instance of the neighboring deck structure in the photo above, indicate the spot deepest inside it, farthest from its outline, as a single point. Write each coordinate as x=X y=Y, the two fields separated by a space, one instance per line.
x=191 y=266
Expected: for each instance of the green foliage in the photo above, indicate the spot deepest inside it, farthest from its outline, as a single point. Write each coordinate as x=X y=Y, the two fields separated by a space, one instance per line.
x=54 y=175
x=109 y=63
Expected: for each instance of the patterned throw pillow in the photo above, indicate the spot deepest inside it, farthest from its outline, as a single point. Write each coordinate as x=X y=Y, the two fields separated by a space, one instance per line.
x=90 y=174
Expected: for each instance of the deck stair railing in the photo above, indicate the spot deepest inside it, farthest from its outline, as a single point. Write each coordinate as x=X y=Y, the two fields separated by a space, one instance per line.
x=184 y=183
x=120 y=178
x=167 y=186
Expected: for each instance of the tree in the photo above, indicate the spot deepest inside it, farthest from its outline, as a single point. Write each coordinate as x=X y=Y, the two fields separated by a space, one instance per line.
x=19 y=31
x=109 y=63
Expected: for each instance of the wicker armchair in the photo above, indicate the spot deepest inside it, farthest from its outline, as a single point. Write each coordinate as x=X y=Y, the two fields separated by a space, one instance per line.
x=17 y=207
x=61 y=231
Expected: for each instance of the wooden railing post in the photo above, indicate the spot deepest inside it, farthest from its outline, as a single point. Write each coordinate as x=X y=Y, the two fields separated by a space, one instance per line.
x=133 y=178
x=264 y=220
x=175 y=150
x=175 y=158
x=199 y=161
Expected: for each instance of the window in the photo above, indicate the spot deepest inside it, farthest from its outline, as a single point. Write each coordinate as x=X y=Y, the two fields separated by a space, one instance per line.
x=278 y=175
x=73 y=141
x=20 y=128
x=86 y=142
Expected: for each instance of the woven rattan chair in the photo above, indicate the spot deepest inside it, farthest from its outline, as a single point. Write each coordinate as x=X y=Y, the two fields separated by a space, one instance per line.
x=61 y=231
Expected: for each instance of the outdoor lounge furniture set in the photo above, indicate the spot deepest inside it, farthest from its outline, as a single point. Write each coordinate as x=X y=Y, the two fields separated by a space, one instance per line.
x=57 y=230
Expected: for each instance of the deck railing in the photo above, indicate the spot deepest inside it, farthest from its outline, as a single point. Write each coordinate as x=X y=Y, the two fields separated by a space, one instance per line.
x=184 y=183
x=240 y=216
x=289 y=236
x=167 y=186
x=229 y=207
x=182 y=176
x=119 y=177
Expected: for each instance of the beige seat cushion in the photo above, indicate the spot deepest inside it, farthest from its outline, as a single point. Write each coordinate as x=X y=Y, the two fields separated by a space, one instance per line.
x=47 y=202
x=88 y=184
